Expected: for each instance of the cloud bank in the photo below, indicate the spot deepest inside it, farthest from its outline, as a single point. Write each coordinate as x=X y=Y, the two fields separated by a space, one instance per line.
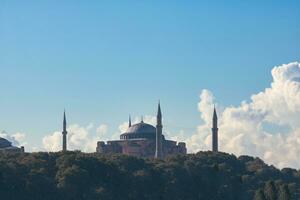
x=267 y=126
x=79 y=138
x=86 y=138
x=17 y=139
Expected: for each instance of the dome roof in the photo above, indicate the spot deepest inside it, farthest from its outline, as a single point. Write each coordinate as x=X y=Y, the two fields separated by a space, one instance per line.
x=140 y=130
x=4 y=143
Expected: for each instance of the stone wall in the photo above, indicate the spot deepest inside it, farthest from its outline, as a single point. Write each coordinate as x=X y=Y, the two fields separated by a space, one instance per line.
x=140 y=147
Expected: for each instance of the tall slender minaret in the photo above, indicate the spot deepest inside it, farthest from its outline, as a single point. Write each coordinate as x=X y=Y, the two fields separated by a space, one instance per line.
x=64 y=133
x=215 y=132
x=129 y=122
x=158 y=150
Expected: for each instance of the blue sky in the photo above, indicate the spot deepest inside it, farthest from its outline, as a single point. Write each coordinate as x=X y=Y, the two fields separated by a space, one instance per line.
x=102 y=60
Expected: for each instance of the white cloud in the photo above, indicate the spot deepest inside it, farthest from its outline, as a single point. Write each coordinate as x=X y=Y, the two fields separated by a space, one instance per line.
x=17 y=139
x=53 y=142
x=79 y=138
x=242 y=129
x=123 y=128
x=82 y=138
x=102 y=130
x=20 y=137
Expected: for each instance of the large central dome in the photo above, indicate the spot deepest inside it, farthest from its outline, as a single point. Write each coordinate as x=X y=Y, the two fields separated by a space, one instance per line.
x=141 y=128
x=139 y=131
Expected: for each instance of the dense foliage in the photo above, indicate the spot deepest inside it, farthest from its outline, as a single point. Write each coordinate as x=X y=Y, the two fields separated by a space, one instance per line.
x=205 y=175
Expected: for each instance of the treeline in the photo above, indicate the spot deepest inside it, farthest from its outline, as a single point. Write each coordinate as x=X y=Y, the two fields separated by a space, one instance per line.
x=201 y=176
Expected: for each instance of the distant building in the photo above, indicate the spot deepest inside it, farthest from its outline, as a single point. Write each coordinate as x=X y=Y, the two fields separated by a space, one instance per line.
x=143 y=140
x=6 y=146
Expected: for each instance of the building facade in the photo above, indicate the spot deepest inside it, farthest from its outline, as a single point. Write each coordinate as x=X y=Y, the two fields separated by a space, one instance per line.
x=143 y=140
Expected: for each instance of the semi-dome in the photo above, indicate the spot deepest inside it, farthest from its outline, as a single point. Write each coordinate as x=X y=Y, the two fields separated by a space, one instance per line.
x=140 y=130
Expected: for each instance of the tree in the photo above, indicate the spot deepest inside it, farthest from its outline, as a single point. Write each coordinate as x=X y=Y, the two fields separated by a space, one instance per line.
x=84 y=176
x=284 y=193
x=270 y=191
x=259 y=195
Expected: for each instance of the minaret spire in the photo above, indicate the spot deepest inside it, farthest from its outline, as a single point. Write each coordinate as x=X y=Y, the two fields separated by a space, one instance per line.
x=64 y=133
x=65 y=122
x=159 y=126
x=129 y=123
x=215 y=130
x=159 y=110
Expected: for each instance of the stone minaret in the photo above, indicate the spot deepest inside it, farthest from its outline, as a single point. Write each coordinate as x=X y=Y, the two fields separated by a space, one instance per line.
x=64 y=133
x=215 y=132
x=158 y=150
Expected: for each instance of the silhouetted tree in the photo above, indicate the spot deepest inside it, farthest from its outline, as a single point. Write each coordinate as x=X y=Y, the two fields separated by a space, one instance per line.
x=270 y=191
x=284 y=193
x=82 y=176
x=259 y=195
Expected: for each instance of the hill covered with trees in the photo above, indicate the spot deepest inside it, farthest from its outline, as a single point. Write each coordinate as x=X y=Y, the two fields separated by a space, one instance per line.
x=203 y=176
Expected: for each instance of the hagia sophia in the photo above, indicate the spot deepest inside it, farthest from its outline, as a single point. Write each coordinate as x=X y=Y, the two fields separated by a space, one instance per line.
x=145 y=140
x=141 y=139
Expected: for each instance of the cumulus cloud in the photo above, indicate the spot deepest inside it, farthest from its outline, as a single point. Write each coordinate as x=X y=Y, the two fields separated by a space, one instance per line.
x=79 y=138
x=102 y=130
x=52 y=142
x=267 y=126
x=86 y=138
x=17 y=139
